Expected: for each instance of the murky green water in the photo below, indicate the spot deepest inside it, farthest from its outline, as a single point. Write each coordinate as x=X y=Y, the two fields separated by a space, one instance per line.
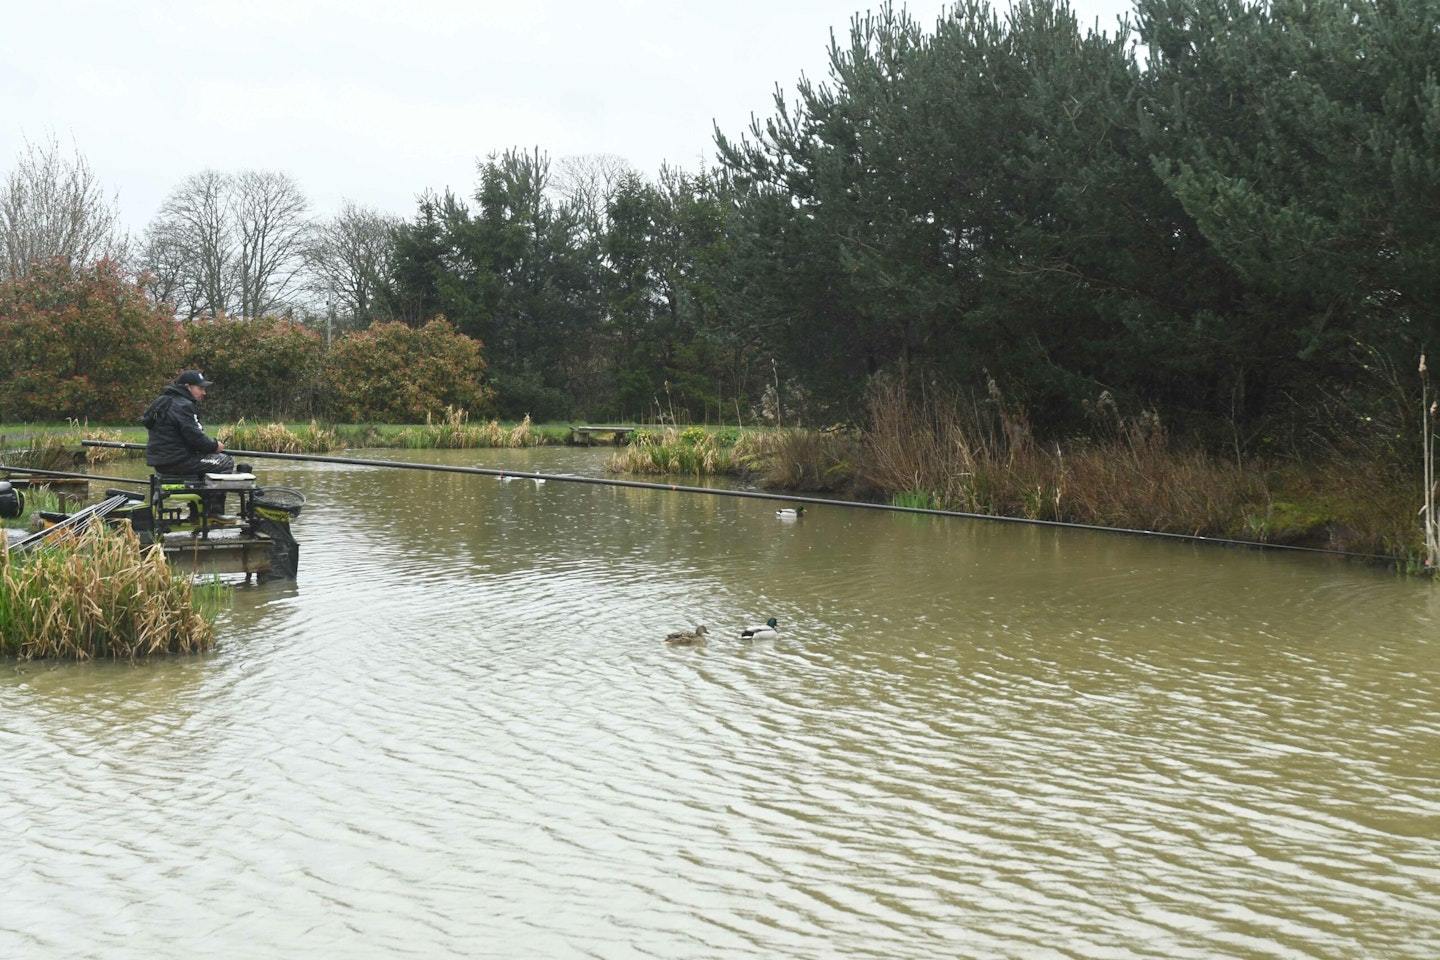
x=459 y=734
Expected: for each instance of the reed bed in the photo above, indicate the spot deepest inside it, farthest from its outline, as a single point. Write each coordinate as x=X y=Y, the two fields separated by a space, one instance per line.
x=60 y=449
x=102 y=454
x=945 y=452
x=981 y=457
x=692 y=451
x=47 y=451
x=931 y=449
x=99 y=595
x=816 y=461
x=455 y=432
x=279 y=438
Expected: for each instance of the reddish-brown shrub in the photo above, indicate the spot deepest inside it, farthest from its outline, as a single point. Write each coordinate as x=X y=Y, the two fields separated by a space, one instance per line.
x=81 y=342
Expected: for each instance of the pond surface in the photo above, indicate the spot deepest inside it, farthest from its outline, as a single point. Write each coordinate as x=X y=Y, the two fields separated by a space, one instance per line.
x=459 y=734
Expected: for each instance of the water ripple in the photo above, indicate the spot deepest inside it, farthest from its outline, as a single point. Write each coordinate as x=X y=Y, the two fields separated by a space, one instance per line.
x=458 y=734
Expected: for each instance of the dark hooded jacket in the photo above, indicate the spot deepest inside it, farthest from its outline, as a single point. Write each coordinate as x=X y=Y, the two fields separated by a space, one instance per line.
x=176 y=435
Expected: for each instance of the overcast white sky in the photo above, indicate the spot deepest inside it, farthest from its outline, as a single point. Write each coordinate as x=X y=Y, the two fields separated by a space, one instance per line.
x=376 y=100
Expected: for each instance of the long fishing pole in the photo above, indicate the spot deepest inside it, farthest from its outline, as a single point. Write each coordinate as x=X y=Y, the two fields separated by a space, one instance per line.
x=75 y=521
x=754 y=495
x=6 y=468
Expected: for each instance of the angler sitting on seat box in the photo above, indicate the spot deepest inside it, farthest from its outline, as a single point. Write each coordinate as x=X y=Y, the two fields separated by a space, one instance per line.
x=178 y=444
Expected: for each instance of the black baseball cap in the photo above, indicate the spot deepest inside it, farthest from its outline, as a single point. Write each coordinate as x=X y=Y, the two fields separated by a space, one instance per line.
x=194 y=377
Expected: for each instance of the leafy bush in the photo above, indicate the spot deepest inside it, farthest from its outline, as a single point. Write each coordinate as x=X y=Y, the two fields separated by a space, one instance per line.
x=263 y=369
x=392 y=373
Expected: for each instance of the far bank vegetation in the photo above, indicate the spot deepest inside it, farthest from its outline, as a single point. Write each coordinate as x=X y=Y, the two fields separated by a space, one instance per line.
x=1033 y=266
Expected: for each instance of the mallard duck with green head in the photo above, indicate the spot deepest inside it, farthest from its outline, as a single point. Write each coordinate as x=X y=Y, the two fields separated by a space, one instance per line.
x=766 y=631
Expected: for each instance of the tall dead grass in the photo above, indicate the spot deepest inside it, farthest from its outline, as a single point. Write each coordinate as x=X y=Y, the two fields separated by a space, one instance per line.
x=98 y=594
x=48 y=451
x=980 y=456
x=279 y=438
x=820 y=461
x=454 y=431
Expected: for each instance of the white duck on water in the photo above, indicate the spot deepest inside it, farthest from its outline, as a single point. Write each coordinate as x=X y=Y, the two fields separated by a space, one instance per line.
x=790 y=513
x=766 y=631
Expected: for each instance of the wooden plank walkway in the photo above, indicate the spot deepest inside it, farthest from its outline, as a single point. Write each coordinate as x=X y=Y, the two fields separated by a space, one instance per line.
x=589 y=436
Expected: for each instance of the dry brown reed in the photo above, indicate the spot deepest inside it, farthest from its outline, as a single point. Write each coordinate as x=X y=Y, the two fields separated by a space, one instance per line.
x=924 y=443
x=981 y=457
x=48 y=451
x=100 y=454
x=97 y=594
x=455 y=432
x=279 y=438
x=795 y=459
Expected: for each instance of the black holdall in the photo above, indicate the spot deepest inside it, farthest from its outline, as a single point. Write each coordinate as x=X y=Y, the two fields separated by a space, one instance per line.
x=12 y=501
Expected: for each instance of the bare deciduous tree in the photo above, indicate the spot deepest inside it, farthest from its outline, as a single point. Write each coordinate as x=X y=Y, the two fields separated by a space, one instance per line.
x=350 y=257
x=227 y=244
x=587 y=183
x=53 y=206
x=273 y=231
x=190 y=248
